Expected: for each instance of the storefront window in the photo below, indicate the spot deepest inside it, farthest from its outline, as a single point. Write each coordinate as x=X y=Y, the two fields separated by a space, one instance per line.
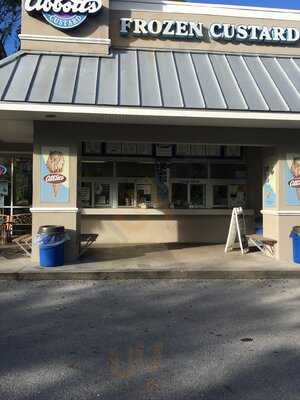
x=188 y=171
x=228 y=171
x=101 y=194
x=143 y=195
x=15 y=184
x=97 y=169
x=22 y=181
x=5 y=183
x=237 y=195
x=126 y=194
x=108 y=180
x=197 y=195
x=135 y=170
x=86 y=194
x=180 y=195
x=220 y=196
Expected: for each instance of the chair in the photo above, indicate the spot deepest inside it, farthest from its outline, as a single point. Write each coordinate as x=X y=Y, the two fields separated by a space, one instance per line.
x=265 y=245
x=24 y=242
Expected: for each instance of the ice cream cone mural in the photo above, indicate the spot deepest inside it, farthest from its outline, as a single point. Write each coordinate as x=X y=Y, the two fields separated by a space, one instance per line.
x=269 y=187
x=54 y=174
x=293 y=179
x=55 y=164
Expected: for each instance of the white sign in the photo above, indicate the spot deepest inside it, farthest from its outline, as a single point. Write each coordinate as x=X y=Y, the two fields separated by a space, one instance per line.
x=237 y=229
x=63 y=14
x=217 y=31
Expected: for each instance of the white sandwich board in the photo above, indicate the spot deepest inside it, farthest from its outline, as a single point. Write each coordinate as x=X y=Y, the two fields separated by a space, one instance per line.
x=237 y=230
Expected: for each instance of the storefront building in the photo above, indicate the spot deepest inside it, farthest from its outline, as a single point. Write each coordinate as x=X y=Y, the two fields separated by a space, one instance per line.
x=147 y=121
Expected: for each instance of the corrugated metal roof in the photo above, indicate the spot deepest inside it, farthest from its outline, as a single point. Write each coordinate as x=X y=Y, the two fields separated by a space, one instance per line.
x=165 y=79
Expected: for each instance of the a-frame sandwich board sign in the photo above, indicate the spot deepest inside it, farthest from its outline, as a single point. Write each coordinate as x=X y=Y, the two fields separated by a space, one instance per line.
x=237 y=230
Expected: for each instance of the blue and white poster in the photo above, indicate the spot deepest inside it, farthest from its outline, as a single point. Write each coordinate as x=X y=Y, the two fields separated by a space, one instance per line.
x=54 y=174
x=269 y=187
x=292 y=179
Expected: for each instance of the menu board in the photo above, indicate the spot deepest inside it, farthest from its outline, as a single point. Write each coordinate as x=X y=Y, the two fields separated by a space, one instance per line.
x=92 y=148
x=213 y=151
x=144 y=149
x=128 y=148
x=141 y=149
x=164 y=150
x=232 y=151
x=114 y=148
x=183 y=149
x=198 y=150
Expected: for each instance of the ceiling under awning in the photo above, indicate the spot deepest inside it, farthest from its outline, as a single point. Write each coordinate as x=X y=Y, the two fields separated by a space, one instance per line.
x=154 y=79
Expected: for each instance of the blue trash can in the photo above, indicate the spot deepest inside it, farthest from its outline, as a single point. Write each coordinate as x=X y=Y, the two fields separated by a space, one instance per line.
x=295 y=235
x=259 y=230
x=51 y=240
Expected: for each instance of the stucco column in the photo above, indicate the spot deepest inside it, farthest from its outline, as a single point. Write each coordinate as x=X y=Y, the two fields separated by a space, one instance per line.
x=55 y=187
x=281 y=199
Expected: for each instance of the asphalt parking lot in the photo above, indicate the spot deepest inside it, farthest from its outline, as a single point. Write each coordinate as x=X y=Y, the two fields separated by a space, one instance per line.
x=150 y=339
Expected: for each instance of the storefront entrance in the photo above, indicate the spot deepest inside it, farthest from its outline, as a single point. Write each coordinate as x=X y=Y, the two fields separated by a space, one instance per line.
x=16 y=192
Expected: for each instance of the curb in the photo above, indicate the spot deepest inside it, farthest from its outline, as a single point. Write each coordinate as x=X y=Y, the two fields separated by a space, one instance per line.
x=148 y=274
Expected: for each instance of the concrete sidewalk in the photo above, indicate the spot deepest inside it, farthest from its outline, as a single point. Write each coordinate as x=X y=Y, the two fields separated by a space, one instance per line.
x=173 y=261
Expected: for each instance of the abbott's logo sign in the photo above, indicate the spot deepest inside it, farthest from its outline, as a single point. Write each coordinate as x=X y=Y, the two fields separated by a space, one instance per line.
x=64 y=14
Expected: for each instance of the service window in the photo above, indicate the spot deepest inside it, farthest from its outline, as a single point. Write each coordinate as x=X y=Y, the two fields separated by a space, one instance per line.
x=102 y=194
x=126 y=194
x=97 y=169
x=135 y=170
x=180 y=195
x=220 y=196
x=197 y=195
x=143 y=195
x=228 y=171
x=237 y=195
x=188 y=171
x=86 y=194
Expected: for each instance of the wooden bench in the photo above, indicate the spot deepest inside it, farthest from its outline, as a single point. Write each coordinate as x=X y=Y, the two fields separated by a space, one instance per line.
x=24 y=242
x=265 y=245
x=86 y=241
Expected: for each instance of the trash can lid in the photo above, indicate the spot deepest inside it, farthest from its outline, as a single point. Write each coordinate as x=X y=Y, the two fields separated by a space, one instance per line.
x=51 y=229
x=296 y=229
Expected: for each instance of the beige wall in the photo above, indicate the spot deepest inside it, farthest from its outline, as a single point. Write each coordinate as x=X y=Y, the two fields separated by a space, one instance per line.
x=165 y=229
x=94 y=27
x=205 y=45
x=106 y=25
x=58 y=216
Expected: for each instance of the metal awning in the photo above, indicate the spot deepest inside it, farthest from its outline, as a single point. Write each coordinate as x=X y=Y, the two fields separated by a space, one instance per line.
x=159 y=79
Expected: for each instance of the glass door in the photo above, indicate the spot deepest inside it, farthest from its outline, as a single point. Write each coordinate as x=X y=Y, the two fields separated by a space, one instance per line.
x=16 y=190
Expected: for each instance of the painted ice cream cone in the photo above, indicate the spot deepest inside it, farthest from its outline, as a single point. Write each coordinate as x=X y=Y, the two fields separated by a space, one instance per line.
x=55 y=165
x=294 y=166
x=55 y=188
